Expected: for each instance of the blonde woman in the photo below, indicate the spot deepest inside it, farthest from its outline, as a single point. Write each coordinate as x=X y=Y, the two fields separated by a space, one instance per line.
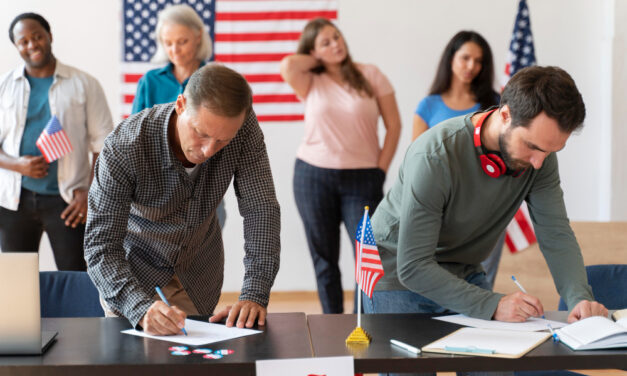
x=182 y=43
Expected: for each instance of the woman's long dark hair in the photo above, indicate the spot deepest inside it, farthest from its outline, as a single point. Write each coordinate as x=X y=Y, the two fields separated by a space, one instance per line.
x=349 y=71
x=482 y=85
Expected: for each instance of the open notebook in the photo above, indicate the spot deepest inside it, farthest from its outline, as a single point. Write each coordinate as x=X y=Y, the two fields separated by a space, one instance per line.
x=596 y=332
x=488 y=342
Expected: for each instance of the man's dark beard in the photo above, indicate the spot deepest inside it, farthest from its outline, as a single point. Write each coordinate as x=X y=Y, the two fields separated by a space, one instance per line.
x=511 y=163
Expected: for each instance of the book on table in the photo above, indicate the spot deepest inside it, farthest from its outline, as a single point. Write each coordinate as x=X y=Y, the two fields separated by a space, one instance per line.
x=596 y=332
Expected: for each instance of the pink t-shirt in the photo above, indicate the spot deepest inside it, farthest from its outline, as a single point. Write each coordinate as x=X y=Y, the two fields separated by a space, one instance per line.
x=340 y=125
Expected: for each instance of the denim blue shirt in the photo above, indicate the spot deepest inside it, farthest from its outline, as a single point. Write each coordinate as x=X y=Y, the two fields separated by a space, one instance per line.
x=158 y=86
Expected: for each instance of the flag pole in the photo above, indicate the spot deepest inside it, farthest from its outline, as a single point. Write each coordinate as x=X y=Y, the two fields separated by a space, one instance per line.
x=361 y=242
x=359 y=336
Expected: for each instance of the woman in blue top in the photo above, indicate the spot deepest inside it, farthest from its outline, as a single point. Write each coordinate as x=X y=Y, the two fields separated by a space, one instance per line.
x=184 y=44
x=464 y=83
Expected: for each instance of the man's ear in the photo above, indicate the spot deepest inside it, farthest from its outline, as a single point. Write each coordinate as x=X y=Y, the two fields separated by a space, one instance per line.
x=181 y=103
x=506 y=116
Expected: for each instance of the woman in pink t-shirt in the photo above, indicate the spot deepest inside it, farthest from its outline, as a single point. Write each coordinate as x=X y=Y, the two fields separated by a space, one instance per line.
x=340 y=167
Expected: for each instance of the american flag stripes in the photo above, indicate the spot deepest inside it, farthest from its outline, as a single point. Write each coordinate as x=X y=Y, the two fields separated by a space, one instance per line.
x=368 y=267
x=519 y=233
x=249 y=36
x=53 y=142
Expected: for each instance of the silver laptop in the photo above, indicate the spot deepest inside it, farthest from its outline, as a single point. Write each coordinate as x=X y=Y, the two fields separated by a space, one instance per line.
x=20 y=315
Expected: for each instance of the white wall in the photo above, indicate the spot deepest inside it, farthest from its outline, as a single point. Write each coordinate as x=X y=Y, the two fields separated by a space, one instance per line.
x=405 y=39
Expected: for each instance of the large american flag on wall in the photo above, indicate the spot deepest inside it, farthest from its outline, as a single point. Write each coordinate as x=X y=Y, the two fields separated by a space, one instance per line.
x=519 y=234
x=249 y=36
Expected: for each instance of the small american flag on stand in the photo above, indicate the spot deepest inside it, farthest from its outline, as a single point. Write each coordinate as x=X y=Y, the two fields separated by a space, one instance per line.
x=519 y=234
x=249 y=36
x=53 y=142
x=368 y=271
x=368 y=267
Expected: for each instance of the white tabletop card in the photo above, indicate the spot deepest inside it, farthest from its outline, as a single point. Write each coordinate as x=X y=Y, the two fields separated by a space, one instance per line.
x=331 y=366
x=533 y=324
x=199 y=333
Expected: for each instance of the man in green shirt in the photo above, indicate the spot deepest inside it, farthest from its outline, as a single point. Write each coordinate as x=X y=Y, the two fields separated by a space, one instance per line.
x=460 y=185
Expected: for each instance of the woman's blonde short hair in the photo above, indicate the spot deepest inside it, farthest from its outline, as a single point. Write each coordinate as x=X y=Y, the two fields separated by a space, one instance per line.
x=186 y=16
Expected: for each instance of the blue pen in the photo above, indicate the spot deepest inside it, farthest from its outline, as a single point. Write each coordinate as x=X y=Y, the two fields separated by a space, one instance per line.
x=520 y=287
x=469 y=349
x=553 y=334
x=166 y=302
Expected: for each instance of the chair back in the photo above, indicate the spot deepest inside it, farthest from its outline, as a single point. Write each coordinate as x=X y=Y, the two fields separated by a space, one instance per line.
x=68 y=294
x=608 y=285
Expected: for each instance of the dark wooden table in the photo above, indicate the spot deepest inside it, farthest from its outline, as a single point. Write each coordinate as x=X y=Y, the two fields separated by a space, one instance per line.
x=329 y=332
x=95 y=346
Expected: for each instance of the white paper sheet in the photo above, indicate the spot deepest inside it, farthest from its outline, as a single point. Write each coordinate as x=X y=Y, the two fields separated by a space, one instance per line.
x=330 y=366
x=199 y=333
x=533 y=324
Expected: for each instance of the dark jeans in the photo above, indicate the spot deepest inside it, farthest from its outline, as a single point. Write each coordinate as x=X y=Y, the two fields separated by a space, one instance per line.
x=325 y=198
x=21 y=230
x=405 y=301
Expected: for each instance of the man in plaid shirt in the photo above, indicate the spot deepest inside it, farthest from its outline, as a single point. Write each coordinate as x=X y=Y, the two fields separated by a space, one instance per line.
x=152 y=207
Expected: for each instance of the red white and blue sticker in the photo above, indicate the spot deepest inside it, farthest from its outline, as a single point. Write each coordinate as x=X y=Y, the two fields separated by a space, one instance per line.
x=206 y=353
x=181 y=353
x=178 y=348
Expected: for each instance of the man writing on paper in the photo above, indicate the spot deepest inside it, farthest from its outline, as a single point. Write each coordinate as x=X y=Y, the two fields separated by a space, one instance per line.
x=37 y=196
x=152 y=207
x=460 y=185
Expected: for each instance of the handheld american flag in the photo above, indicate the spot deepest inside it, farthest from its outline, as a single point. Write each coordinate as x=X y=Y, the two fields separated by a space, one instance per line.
x=368 y=267
x=249 y=36
x=519 y=233
x=53 y=142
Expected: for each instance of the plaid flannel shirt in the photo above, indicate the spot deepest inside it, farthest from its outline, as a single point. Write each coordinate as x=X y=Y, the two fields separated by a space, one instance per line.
x=148 y=219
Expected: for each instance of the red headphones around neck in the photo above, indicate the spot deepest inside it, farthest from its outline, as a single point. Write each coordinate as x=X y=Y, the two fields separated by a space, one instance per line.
x=491 y=163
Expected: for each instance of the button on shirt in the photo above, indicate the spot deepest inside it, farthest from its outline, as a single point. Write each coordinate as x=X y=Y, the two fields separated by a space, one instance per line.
x=80 y=105
x=149 y=219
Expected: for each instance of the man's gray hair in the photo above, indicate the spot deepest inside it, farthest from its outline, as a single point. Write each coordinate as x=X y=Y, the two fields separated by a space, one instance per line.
x=183 y=15
x=221 y=90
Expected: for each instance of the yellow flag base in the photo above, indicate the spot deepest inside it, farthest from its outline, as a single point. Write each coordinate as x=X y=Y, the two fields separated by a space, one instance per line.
x=358 y=336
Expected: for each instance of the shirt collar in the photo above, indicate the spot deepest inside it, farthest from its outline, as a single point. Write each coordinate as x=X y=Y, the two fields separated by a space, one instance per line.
x=170 y=160
x=60 y=70
x=169 y=70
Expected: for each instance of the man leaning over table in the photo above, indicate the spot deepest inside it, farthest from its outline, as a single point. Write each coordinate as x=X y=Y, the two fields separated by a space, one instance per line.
x=460 y=185
x=152 y=207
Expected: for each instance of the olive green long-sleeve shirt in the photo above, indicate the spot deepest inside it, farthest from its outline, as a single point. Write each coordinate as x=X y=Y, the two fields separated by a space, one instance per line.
x=444 y=215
